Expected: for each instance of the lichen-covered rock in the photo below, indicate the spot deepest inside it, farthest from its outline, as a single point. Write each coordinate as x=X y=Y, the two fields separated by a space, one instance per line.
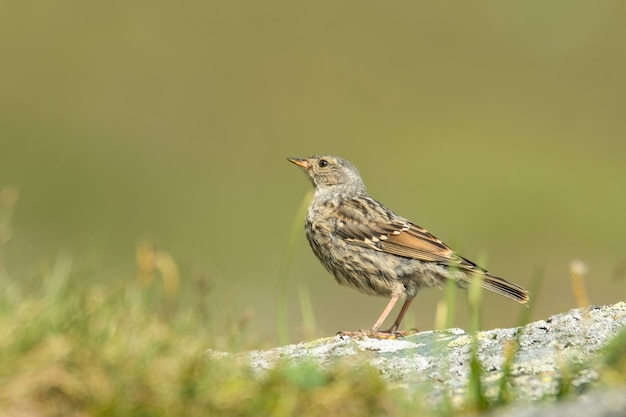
x=610 y=403
x=434 y=362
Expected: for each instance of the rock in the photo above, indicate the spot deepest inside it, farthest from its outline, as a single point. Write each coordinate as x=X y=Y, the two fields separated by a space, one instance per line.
x=431 y=363
x=610 y=403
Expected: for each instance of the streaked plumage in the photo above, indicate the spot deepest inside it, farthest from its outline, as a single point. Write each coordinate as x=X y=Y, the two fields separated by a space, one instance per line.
x=368 y=247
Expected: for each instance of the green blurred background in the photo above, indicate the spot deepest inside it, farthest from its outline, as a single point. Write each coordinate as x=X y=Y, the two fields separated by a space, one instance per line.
x=498 y=126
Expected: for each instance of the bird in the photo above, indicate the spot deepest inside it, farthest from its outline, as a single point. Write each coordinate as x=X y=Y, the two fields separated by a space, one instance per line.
x=368 y=247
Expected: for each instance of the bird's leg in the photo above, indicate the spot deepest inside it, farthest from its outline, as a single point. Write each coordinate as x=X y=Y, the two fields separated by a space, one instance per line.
x=390 y=305
x=393 y=332
x=394 y=328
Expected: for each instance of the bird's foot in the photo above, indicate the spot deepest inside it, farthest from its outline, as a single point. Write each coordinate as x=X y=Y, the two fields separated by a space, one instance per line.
x=360 y=334
x=379 y=334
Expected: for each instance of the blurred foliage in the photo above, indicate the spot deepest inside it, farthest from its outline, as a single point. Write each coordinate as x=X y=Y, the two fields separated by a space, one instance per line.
x=497 y=126
x=614 y=361
x=73 y=351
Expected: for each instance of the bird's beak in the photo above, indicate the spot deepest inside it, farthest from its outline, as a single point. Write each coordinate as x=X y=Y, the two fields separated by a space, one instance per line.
x=301 y=162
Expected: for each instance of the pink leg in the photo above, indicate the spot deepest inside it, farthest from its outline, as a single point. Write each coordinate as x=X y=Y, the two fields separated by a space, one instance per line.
x=393 y=332
x=390 y=305
x=403 y=310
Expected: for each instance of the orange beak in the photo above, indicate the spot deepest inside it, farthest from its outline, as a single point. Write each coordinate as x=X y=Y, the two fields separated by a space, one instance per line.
x=301 y=162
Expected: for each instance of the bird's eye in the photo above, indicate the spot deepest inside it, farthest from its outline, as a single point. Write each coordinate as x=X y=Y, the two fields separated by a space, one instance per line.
x=322 y=163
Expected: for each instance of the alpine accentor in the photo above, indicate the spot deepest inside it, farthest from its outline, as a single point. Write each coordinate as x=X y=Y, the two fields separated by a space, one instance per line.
x=368 y=247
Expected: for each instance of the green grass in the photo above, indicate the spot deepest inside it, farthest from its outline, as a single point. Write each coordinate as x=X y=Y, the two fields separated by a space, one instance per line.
x=285 y=266
x=69 y=347
x=72 y=349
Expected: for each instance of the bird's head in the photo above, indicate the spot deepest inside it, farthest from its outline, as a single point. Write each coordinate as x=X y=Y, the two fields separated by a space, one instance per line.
x=329 y=172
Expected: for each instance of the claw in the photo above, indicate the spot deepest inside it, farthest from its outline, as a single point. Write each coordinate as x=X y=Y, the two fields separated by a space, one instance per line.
x=377 y=334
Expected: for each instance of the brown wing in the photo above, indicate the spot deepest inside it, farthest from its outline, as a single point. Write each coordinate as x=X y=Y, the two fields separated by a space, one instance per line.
x=371 y=225
x=367 y=223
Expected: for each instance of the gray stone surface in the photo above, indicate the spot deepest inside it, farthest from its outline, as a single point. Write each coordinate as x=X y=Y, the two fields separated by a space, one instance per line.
x=431 y=363
x=611 y=403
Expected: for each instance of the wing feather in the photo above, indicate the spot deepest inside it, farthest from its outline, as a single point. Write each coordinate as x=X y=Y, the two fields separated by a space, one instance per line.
x=367 y=223
x=370 y=225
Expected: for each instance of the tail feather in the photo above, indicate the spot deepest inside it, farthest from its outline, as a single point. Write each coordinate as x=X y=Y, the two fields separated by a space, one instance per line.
x=500 y=286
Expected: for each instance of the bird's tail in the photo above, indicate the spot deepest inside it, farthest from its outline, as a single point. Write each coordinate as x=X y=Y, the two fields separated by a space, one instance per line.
x=499 y=286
